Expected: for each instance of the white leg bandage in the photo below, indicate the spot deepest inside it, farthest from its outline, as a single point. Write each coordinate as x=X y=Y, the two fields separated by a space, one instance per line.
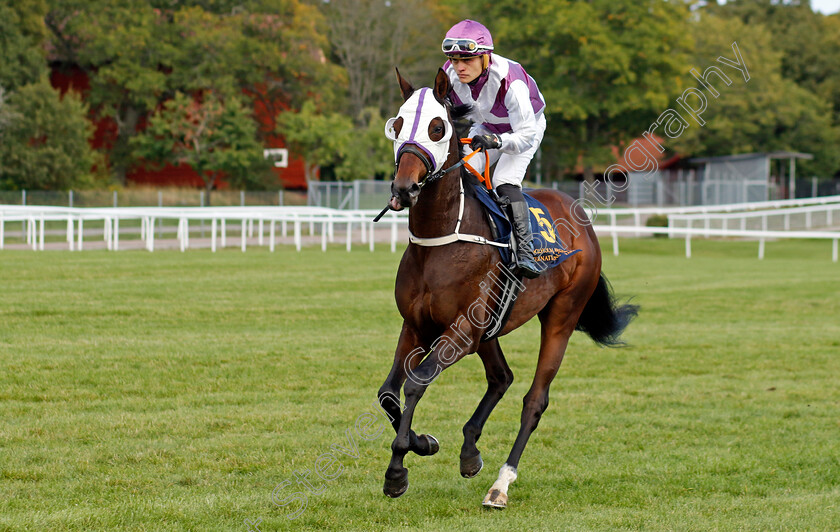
x=507 y=474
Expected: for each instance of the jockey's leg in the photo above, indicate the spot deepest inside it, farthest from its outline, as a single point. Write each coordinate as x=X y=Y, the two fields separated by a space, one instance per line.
x=522 y=230
x=507 y=180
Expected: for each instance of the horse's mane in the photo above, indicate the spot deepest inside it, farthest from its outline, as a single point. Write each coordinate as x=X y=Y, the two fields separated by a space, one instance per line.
x=462 y=124
x=459 y=115
x=460 y=111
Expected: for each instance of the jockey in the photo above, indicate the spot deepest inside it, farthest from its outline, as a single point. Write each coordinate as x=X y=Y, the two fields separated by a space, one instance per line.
x=508 y=121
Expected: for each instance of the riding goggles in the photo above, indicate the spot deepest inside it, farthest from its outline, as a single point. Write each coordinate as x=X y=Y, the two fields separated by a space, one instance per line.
x=452 y=46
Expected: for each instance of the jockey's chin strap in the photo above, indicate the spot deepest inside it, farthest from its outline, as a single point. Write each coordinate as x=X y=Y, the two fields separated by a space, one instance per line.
x=457 y=235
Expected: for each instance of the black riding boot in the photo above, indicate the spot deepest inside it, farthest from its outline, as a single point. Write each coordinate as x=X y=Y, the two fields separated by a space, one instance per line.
x=522 y=231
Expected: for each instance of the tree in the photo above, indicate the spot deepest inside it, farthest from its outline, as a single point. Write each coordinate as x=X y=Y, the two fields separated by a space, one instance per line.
x=371 y=37
x=367 y=152
x=138 y=54
x=607 y=68
x=768 y=113
x=7 y=116
x=809 y=42
x=216 y=136
x=319 y=138
x=22 y=36
x=44 y=140
x=332 y=140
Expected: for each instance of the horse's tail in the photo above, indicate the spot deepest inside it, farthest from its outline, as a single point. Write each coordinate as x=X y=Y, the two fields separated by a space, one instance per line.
x=603 y=318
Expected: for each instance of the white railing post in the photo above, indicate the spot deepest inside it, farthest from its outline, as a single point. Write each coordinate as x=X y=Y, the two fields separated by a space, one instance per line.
x=41 y=237
x=330 y=227
x=213 y=235
x=349 y=235
x=116 y=233
x=69 y=233
x=393 y=234
x=614 y=234
x=181 y=237
x=81 y=233
x=271 y=235
x=371 y=236
x=106 y=232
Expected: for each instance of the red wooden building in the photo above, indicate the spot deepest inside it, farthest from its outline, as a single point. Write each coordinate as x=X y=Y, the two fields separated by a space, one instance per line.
x=289 y=169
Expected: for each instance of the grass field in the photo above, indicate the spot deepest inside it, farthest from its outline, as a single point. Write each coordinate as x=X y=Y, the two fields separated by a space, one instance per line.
x=171 y=391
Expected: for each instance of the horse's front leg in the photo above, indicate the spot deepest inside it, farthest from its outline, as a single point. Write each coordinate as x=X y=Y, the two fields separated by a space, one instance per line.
x=499 y=379
x=419 y=378
x=409 y=353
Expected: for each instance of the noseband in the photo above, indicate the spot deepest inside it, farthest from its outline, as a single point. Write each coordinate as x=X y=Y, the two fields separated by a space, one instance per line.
x=431 y=177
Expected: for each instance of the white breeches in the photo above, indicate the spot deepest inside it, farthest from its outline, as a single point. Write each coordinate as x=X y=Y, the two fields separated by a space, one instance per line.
x=510 y=168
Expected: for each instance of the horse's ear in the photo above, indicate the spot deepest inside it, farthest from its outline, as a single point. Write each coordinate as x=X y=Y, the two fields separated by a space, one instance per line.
x=442 y=85
x=405 y=87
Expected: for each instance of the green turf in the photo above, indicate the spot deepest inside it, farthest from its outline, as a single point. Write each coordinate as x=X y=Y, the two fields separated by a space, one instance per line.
x=175 y=391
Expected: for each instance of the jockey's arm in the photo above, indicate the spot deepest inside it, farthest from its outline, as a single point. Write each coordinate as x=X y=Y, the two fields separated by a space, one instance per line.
x=523 y=121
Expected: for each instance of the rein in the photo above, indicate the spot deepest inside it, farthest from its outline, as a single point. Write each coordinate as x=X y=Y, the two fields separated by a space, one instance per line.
x=432 y=177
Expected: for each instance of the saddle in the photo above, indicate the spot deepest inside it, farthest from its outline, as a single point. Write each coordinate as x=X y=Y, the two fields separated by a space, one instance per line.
x=549 y=250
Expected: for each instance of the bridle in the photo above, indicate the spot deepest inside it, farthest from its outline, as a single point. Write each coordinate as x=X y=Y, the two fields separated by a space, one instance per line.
x=431 y=176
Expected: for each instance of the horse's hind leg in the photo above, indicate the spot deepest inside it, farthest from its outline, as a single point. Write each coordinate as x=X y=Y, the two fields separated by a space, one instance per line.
x=410 y=351
x=499 y=378
x=557 y=327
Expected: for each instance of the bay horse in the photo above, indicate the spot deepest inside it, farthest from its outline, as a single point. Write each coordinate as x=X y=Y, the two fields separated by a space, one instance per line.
x=443 y=282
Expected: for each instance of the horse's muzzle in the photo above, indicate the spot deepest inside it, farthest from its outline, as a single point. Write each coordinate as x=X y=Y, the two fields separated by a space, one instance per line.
x=404 y=197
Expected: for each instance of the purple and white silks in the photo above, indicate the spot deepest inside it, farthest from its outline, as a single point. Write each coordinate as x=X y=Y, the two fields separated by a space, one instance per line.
x=506 y=101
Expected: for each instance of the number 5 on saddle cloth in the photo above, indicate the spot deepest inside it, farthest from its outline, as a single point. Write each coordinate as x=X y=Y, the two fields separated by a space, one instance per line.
x=549 y=250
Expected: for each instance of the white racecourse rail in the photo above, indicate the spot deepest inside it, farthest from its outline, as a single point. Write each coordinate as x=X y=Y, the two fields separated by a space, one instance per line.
x=717 y=221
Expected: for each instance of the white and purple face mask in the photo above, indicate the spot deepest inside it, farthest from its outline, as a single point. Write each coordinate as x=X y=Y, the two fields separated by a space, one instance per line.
x=417 y=113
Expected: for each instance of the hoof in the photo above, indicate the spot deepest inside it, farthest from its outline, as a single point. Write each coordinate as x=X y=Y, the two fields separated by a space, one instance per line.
x=470 y=467
x=395 y=487
x=495 y=499
x=427 y=445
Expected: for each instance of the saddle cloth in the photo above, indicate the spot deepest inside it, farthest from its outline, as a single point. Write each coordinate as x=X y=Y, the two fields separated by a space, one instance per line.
x=549 y=250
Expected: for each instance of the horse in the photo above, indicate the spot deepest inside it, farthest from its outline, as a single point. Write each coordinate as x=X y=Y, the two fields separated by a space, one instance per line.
x=443 y=282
